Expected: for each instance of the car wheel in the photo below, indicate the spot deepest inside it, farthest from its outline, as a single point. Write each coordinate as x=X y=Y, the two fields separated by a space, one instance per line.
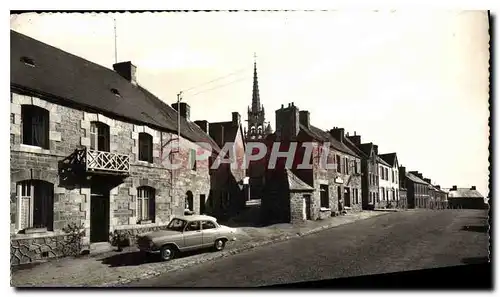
x=167 y=253
x=219 y=244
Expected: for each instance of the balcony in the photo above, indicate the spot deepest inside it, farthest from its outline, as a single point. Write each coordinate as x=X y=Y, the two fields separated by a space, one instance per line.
x=85 y=161
x=106 y=162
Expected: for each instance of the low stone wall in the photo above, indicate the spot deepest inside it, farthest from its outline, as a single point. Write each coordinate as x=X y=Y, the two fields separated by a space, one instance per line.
x=35 y=249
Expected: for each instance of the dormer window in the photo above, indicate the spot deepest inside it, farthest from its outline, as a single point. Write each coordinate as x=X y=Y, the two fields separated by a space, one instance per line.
x=28 y=61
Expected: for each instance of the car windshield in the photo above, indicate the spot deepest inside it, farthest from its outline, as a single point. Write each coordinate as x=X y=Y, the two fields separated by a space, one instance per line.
x=176 y=225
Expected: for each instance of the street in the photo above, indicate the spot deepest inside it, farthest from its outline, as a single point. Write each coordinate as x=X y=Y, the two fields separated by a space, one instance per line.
x=400 y=241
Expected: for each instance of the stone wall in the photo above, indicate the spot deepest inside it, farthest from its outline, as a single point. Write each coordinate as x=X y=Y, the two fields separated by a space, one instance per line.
x=31 y=249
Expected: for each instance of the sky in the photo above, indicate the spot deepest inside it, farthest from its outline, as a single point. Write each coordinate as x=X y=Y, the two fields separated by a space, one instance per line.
x=413 y=82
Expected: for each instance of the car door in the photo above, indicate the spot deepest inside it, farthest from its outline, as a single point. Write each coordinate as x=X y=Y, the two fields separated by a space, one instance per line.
x=210 y=232
x=193 y=237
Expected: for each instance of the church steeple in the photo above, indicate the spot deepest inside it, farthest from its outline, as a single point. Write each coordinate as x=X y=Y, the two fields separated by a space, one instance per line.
x=255 y=92
x=258 y=128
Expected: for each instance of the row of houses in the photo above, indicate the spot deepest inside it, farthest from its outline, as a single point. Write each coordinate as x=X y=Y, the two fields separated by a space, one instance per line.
x=91 y=146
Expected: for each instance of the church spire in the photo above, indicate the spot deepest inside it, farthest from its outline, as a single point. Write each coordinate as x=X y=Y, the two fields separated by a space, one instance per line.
x=255 y=92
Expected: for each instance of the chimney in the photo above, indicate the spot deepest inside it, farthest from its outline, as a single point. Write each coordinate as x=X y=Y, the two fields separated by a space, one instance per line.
x=126 y=70
x=287 y=122
x=338 y=134
x=420 y=175
x=304 y=118
x=427 y=180
x=236 y=119
x=375 y=148
x=473 y=188
x=356 y=139
x=438 y=187
x=203 y=125
x=454 y=188
x=402 y=174
x=184 y=109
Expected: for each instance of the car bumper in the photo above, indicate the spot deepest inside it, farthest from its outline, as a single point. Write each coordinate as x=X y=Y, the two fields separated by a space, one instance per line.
x=148 y=250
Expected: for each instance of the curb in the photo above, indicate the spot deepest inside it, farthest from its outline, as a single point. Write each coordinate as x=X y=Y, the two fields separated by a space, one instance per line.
x=229 y=252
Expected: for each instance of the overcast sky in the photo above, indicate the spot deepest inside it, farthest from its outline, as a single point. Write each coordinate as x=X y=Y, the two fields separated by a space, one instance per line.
x=413 y=82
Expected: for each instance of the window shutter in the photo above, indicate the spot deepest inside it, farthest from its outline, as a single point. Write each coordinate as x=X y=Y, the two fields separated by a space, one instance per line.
x=152 y=205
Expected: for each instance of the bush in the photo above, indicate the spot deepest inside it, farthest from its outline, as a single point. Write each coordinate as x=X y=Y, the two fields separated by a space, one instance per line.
x=75 y=232
x=119 y=240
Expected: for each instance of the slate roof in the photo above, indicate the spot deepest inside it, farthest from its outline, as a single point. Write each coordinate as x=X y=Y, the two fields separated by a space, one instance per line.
x=72 y=80
x=389 y=158
x=464 y=193
x=415 y=179
x=323 y=136
x=295 y=183
x=355 y=148
x=230 y=132
x=381 y=161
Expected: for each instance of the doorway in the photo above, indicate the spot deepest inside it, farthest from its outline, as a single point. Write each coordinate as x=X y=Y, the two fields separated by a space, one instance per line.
x=99 y=214
x=307 y=206
x=347 y=197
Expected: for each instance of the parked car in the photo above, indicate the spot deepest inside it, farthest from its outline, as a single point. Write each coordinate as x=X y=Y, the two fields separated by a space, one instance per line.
x=186 y=233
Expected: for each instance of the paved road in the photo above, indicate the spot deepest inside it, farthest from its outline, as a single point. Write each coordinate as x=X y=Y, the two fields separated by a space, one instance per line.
x=394 y=242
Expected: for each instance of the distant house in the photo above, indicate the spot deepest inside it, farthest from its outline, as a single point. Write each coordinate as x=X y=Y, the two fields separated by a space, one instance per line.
x=392 y=179
x=417 y=190
x=385 y=184
x=466 y=198
x=369 y=169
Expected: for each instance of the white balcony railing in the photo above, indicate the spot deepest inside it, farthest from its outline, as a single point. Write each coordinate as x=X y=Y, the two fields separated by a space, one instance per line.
x=107 y=162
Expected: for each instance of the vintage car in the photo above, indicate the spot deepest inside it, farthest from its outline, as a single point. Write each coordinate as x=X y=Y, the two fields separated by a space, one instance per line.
x=186 y=233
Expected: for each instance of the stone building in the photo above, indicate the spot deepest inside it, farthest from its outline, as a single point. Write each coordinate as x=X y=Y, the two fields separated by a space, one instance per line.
x=392 y=179
x=466 y=198
x=228 y=177
x=369 y=170
x=333 y=188
x=417 y=190
x=89 y=145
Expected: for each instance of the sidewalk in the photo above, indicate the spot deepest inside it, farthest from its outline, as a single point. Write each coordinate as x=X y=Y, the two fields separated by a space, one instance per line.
x=113 y=268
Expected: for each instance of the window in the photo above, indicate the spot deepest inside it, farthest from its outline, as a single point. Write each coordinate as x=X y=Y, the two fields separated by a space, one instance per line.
x=12 y=118
x=192 y=159
x=145 y=147
x=355 y=167
x=207 y=225
x=387 y=174
x=35 y=204
x=383 y=194
x=193 y=226
x=339 y=165
x=346 y=165
x=146 y=204
x=35 y=126
x=99 y=136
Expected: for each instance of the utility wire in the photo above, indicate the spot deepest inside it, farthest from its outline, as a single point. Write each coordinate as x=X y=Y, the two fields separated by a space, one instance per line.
x=216 y=79
x=219 y=86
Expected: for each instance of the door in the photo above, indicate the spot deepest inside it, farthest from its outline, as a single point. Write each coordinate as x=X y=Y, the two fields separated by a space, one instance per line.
x=307 y=207
x=193 y=237
x=210 y=233
x=347 y=197
x=99 y=215
x=202 y=203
